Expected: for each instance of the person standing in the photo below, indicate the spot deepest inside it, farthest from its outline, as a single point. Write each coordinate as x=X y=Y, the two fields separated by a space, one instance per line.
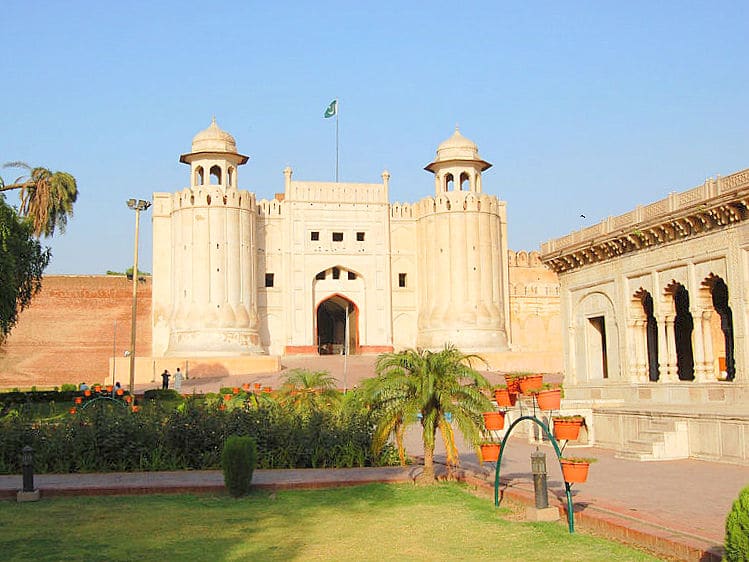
x=178 y=380
x=165 y=379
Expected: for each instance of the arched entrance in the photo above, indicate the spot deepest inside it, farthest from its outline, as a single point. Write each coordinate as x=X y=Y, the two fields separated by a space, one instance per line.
x=719 y=297
x=651 y=336
x=337 y=320
x=683 y=326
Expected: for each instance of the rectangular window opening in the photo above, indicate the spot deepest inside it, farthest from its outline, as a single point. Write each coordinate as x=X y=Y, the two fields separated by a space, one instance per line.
x=314 y=235
x=336 y=273
x=268 y=279
x=338 y=237
x=360 y=237
x=401 y=279
x=351 y=275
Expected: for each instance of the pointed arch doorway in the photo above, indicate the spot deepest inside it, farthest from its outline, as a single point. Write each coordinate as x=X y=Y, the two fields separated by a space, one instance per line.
x=337 y=326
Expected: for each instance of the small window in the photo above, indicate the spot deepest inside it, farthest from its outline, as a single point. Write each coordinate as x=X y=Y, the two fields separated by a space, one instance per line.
x=336 y=273
x=351 y=275
x=401 y=279
x=360 y=237
x=268 y=279
x=314 y=235
x=320 y=275
x=338 y=237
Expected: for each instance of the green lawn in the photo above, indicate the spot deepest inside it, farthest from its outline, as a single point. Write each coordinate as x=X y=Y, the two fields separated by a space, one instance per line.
x=373 y=522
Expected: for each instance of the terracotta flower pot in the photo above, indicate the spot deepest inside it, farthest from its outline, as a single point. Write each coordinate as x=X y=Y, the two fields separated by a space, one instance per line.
x=235 y=390
x=136 y=408
x=72 y=411
x=549 y=399
x=505 y=398
x=246 y=387
x=87 y=393
x=97 y=388
x=128 y=398
x=513 y=384
x=490 y=452
x=257 y=386
x=78 y=400
x=494 y=420
x=534 y=382
x=575 y=471
x=267 y=389
x=109 y=388
x=120 y=392
x=567 y=430
x=227 y=397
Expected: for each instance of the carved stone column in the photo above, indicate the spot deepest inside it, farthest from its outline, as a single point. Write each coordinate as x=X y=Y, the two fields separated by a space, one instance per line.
x=639 y=357
x=708 y=358
x=670 y=371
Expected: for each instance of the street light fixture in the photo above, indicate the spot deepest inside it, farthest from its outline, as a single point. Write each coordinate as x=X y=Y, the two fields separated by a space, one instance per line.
x=137 y=206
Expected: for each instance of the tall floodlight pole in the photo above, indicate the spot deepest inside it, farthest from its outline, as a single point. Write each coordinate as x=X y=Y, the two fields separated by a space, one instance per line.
x=346 y=335
x=137 y=206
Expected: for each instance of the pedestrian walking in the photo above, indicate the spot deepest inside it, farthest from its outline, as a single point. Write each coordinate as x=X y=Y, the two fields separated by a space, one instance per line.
x=178 y=380
x=165 y=379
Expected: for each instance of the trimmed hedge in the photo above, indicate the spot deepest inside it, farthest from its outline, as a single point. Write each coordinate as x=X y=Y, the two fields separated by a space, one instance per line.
x=238 y=462
x=107 y=437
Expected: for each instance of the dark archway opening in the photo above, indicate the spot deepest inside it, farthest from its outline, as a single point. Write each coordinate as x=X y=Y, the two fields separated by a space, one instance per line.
x=720 y=303
x=337 y=318
x=683 y=327
x=651 y=336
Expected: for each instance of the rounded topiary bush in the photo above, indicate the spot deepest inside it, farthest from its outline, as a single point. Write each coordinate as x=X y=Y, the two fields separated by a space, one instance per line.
x=238 y=462
x=737 y=529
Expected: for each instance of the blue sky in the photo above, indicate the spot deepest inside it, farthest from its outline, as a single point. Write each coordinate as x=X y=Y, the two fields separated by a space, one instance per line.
x=583 y=107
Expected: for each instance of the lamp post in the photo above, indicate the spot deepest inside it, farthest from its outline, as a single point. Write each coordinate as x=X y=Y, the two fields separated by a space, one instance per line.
x=136 y=205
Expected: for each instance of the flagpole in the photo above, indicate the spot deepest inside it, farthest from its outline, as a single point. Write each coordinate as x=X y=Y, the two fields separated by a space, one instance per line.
x=337 y=111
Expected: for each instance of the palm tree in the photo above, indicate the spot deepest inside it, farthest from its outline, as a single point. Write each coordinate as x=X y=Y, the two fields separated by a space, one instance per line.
x=46 y=197
x=308 y=391
x=432 y=386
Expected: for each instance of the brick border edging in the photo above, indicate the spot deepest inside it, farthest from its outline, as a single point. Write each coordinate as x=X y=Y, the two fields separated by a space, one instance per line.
x=630 y=531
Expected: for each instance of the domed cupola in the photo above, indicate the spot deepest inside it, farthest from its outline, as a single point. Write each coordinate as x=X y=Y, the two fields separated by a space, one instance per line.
x=458 y=165
x=214 y=158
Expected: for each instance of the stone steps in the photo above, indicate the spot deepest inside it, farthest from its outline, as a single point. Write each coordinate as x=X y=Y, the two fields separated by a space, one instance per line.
x=659 y=439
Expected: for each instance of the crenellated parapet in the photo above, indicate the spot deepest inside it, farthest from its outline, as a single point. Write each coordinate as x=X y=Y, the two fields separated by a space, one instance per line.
x=458 y=201
x=716 y=204
x=271 y=208
x=214 y=197
x=402 y=211
x=332 y=192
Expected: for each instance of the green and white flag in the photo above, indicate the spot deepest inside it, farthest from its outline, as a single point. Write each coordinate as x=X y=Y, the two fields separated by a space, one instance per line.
x=332 y=109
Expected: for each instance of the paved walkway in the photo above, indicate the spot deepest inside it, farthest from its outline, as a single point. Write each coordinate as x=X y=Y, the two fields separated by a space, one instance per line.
x=674 y=506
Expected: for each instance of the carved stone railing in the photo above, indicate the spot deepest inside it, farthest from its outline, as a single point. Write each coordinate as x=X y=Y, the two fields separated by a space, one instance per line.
x=713 y=205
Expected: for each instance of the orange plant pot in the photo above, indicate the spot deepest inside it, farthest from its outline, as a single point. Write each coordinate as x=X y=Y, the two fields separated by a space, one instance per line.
x=258 y=386
x=136 y=408
x=120 y=392
x=72 y=410
x=505 y=398
x=567 y=430
x=109 y=388
x=267 y=389
x=78 y=400
x=494 y=420
x=513 y=384
x=227 y=397
x=534 y=382
x=128 y=398
x=246 y=387
x=97 y=388
x=549 y=399
x=575 y=471
x=490 y=452
x=235 y=390
x=87 y=393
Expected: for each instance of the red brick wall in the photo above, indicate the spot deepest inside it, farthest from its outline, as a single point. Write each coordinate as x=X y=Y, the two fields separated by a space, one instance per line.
x=67 y=333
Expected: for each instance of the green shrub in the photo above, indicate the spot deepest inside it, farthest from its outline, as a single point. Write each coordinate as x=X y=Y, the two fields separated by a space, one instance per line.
x=69 y=387
x=737 y=529
x=238 y=462
x=162 y=394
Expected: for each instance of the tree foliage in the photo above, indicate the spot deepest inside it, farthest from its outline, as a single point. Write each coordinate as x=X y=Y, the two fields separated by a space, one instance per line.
x=432 y=387
x=47 y=197
x=307 y=392
x=737 y=529
x=22 y=262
